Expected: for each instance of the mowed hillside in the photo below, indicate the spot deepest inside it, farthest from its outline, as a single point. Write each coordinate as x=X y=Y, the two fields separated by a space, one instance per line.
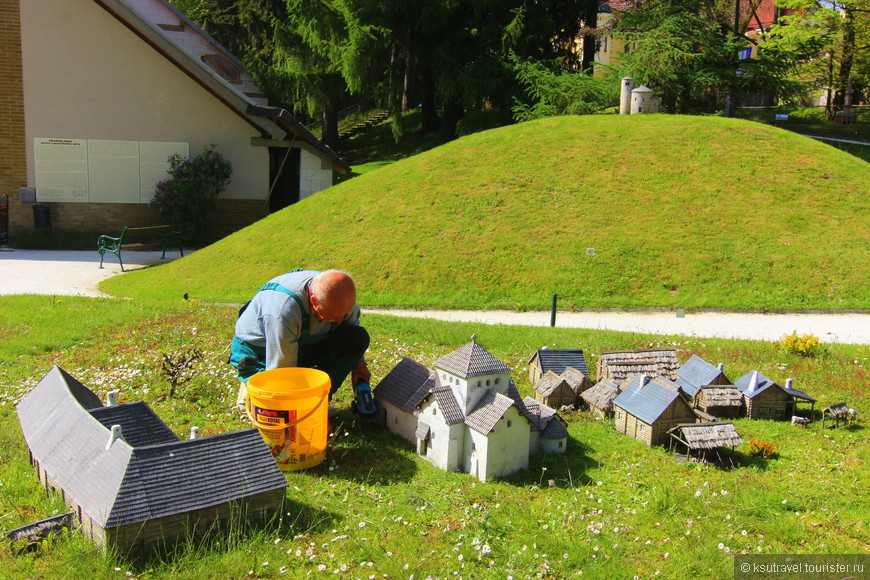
x=605 y=211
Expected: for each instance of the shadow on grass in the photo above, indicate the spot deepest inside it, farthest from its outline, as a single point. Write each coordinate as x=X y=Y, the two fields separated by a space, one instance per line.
x=563 y=470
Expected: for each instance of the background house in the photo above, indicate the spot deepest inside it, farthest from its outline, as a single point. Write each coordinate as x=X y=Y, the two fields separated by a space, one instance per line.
x=559 y=360
x=648 y=408
x=98 y=95
x=703 y=438
x=600 y=397
x=131 y=482
x=764 y=399
x=722 y=401
x=696 y=373
x=618 y=365
x=554 y=391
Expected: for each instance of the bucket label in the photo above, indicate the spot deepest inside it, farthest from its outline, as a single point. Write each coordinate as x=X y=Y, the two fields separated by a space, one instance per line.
x=270 y=417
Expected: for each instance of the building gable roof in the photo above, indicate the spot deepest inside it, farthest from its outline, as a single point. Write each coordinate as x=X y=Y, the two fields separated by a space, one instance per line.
x=406 y=385
x=274 y=122
x=489 y=411
x=471 y=360
x=549 y=383
x=448 y=404
x=139 y=424
x=720 y=395
x=619 y=364
x=558 y=359
x=116 y=483
x=695 y=373
x=708 y=435
x=602 y=394
x=547 y=420
x=647 y=398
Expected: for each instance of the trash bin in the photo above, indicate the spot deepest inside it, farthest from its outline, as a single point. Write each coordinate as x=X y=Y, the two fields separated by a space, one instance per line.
x=41 y=216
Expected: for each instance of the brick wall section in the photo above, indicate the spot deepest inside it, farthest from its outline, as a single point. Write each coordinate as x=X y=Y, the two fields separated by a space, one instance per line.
x=109 y=218
x=13 y=161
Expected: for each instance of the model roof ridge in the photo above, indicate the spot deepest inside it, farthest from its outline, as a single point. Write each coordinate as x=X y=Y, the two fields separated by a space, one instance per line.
x=471 y=360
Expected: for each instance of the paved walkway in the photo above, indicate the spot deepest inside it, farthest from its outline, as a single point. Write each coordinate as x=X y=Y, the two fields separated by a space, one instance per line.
x=74 y=273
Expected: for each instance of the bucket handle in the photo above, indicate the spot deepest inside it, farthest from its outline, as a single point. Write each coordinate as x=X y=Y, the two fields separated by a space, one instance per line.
x=289 y=424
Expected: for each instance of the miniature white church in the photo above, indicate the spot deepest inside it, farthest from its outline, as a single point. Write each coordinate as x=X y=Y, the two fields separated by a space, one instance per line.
x=467 y=414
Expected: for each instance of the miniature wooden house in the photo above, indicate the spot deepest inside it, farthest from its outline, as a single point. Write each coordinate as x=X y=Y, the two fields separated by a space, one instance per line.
x=467 y=415
x=554 y=391
x=600 y=397
x=696 y=373
x=648 y=407
x=722 y=401
x=131 y=482
x=618 y=365
x=570 y=364
x=764 y=399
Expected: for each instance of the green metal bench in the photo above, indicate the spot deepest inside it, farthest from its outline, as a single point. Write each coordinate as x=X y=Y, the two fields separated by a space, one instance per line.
x=151 y=237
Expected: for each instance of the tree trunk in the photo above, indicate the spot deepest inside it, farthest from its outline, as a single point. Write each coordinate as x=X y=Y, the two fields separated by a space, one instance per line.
x=453 y=111
x=590 y=21
x=845 y=70
x=429 y=114
x=329 y=117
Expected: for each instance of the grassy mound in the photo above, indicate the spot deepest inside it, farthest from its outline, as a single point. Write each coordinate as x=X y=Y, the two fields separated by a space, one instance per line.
x=605 y=211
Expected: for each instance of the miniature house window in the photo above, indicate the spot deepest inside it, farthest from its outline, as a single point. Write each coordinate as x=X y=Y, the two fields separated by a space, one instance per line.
x=642 y=428
x=497 y=381
x=765 y=410
x=510 y=423
x=434 y=410
x=478 y=383
x=560 y=444
x=619 y=414
x=395 y=421
x=487 y=382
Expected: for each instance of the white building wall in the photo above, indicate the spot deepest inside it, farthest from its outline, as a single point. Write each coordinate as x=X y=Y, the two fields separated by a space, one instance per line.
x=399 y=422
x=118 y=88
x=507 y=447
x=315 y=174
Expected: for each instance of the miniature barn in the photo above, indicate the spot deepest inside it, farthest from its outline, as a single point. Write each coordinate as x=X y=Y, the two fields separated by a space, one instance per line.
x=648 y=407
x=702 y=438
x=838 y=413
x=600 y=397
x=131 y=482
x=618 y=365
x=467 y=414
x=718 y=401
x=570 y=364
x=696 y=373
x=764 y=399
x=554 y=391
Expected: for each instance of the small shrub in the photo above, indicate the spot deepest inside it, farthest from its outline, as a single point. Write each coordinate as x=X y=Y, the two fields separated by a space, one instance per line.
x=804 y=345
x=763 y=449
x=191 y=190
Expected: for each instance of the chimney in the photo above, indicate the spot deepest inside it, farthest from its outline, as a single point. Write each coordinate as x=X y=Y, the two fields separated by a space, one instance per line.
x=114 y=436
x=753 y=382
x=642 y=382
x=194 y=432
x=721 y=367
x=788 y=383
x=112 y=399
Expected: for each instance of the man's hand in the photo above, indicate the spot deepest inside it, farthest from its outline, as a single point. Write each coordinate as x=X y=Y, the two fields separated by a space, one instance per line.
x=360 y=373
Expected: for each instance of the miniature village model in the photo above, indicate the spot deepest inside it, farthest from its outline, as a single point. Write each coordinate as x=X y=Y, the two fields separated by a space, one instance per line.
x=130 y=481
x=466 y=415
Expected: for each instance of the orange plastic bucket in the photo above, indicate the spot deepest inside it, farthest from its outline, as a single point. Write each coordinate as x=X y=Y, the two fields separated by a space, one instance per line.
x=290 y=408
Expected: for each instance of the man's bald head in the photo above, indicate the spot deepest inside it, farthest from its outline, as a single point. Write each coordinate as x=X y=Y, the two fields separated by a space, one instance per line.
x=333 y=295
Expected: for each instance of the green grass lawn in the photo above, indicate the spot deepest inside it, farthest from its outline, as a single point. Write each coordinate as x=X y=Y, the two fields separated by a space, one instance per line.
x=684 y=212
x=609 y=507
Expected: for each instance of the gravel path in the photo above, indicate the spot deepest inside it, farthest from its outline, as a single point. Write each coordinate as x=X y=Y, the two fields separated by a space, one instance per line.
x=77 y=273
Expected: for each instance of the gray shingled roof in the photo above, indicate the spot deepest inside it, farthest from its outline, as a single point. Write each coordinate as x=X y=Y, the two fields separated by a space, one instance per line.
x=602 y=394
x=649 y=401
x=446 y=400
x=522 y=405
x=836 y=409
x=695 y=373
x=575 y=379
x=471 y=360
x=139 y=424
x=548 y=383
x=744 y=382
x=546 y=420
x=720 y=395
x=406 y=385
x=488 y=411
x=619 y=364
x=708 y=435
x=558 y=359
x=126 y=484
